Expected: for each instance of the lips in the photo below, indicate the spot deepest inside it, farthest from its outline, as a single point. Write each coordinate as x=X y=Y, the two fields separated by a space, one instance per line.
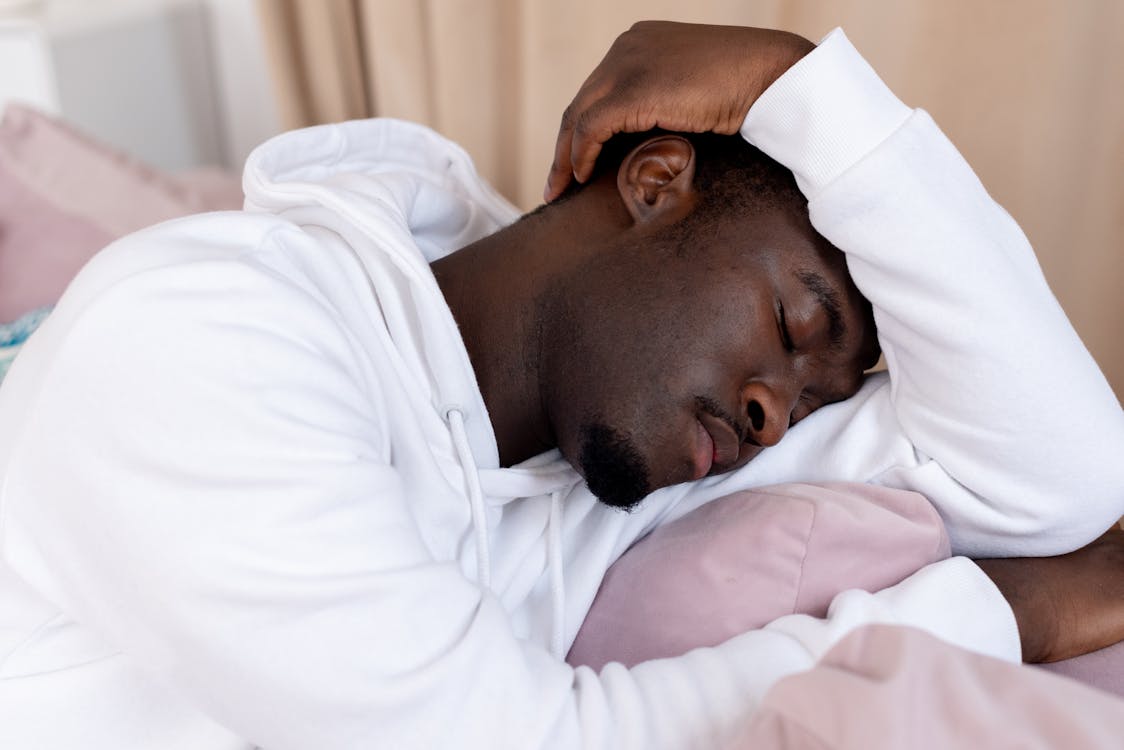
x=704 y=451
x=724 y=442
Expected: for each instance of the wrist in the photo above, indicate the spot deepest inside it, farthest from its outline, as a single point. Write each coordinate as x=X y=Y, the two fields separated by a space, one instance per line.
x=789 y=49
x=769 y=55
x=1035 y=613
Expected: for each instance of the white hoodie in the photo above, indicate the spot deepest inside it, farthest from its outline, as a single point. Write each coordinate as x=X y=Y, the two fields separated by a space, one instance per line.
x=251 y=493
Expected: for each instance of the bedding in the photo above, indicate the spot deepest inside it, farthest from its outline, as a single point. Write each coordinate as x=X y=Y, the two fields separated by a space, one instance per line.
x=64 y=196
x=1104 y=668
x=742 y=561
x=41 y=246
x=12 y=336
x=892 y=687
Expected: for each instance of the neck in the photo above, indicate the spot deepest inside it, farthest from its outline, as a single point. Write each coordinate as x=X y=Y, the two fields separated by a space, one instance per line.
x=491 y=287
x=496 y=288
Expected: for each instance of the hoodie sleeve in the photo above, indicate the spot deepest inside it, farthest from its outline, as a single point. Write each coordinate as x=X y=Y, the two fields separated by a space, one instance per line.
x=1016 y=432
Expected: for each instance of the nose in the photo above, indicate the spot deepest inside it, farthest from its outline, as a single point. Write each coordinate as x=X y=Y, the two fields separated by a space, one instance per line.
x=769 y=409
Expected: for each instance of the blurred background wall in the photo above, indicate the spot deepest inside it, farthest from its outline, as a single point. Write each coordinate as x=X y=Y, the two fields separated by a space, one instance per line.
x=176 y=83
x=1029 y=90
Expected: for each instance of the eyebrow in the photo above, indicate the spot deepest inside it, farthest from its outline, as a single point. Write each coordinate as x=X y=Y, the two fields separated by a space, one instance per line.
x=829 y=301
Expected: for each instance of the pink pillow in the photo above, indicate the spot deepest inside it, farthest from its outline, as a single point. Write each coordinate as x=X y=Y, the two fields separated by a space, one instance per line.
x=41 y=248
x=63 y=197
x=742 y=561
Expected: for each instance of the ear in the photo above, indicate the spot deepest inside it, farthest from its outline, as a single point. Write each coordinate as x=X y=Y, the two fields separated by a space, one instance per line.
x=656 y=180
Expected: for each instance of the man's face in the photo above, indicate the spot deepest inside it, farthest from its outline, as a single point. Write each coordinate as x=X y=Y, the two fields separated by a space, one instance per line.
x=685 y=354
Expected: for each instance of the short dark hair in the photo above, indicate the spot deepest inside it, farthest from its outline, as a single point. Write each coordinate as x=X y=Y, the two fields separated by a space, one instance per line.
x=733 y=174
x=730 y=174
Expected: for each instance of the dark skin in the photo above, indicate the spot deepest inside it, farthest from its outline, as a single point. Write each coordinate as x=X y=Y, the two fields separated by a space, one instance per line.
x=698 y=352
x=697 y=78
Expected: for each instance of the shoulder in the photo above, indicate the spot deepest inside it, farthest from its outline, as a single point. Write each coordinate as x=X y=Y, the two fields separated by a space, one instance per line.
x=214 y=278
x=200 y=314
x=193 y=248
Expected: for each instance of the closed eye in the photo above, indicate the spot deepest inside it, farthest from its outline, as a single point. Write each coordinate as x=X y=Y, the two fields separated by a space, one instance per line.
x=782 y=326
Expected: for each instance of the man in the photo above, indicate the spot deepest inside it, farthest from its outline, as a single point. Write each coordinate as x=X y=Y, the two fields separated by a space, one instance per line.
x=278 y=479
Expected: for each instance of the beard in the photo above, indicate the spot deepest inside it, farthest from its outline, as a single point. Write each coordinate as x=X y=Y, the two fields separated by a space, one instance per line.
x=614 y=470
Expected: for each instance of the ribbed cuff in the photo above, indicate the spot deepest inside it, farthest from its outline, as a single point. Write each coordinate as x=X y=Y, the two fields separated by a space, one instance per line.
x=824 y=114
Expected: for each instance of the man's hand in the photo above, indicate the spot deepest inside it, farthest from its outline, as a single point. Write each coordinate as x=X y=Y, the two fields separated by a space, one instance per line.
x=1068 y=605
x=685 y=77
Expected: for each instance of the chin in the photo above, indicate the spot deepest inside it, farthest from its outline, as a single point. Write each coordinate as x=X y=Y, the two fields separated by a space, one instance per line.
x=613 y=467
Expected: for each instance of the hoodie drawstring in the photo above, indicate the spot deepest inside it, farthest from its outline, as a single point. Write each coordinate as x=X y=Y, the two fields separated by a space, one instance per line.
x=557 y=589
x=455 y=418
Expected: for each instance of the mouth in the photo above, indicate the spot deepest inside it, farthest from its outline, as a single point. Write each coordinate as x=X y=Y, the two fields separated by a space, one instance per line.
x=716 y=446
x=704 y=451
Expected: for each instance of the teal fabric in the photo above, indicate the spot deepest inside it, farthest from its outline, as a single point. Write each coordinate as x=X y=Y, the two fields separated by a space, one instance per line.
x=12 y=336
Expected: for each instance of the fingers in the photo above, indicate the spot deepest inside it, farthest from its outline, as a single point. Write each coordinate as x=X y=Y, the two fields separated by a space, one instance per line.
x=578 y=144
x=594 y=126
x=583 y=155
x=576 y=152
x=680 y=77
x=560 y=171
x=581 y=136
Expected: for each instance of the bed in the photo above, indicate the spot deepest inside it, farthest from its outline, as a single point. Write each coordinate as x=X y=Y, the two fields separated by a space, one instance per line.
x=733 y=565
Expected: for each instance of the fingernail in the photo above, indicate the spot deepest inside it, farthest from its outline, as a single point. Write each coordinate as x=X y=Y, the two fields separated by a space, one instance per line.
x=546 y=193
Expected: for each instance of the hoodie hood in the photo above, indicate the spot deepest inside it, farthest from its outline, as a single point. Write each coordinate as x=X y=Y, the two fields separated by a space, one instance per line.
x=401 y=196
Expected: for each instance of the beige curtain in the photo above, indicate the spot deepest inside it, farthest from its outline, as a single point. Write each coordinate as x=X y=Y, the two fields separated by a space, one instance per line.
x=1029 y=90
